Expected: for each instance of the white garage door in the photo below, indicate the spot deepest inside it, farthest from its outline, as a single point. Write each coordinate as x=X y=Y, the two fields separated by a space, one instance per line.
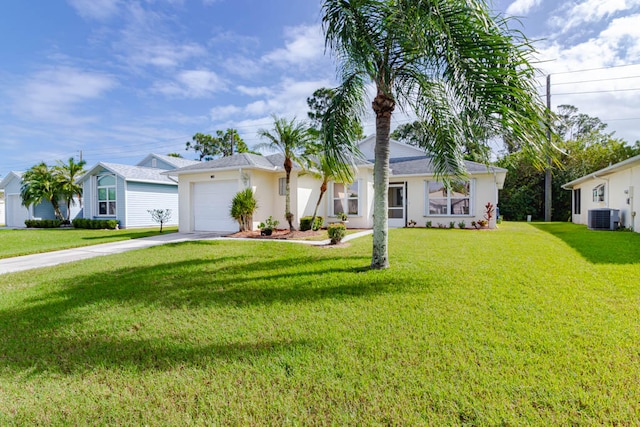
x=211 y=205
x=16 y=213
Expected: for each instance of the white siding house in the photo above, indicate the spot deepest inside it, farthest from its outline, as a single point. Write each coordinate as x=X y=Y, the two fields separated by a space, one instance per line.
x=613 y=187
x=126 y=193
x=206 y=190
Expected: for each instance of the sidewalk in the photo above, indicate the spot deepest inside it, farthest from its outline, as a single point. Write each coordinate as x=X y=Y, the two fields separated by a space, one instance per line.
x=47 y=259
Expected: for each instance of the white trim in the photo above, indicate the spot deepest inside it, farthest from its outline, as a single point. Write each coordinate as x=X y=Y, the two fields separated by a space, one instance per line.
x=472 y=190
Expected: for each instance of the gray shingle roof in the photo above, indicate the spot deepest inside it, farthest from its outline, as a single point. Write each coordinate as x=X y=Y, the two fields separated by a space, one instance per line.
x=422 y=165
x=178 y=162
x=132 y=173
x=248 y=160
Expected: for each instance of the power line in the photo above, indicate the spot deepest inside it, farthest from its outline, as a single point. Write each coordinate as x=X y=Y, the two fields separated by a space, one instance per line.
x=597 y=91
x=595 y=69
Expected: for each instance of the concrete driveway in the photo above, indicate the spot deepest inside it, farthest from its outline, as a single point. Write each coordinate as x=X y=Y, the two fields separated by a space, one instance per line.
x=47 y=259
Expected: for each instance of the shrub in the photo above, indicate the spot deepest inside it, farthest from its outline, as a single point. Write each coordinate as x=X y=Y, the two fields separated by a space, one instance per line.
x=336 y=232
x=42 y=223
x=160 y=216
x=95 y=224
x=461 y=225
x=429 y=224
x=243 y=205
x=305 y=223
x=452 y=224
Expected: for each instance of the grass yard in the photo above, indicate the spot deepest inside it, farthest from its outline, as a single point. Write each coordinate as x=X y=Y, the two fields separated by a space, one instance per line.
x=526 y=325
x=32 y=241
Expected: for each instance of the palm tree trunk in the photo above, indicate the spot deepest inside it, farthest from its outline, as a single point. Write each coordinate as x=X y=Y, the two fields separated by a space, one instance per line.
x=323 y=189
x=383 y=107
x=287 y=207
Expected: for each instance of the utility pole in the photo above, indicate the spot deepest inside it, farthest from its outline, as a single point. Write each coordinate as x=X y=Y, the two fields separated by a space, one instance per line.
x=547 y=172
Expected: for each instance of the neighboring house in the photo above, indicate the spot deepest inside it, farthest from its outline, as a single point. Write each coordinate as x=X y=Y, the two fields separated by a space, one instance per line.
x=126 y=193
x=206 y=190
x=612 y=187
x=2 y=219
x=15 y=213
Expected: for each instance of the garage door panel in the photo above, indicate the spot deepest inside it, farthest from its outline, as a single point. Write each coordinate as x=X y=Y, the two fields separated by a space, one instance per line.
x=211 y=203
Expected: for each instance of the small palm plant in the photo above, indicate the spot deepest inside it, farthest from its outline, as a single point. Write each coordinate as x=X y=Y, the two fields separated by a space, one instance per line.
x=243 y=205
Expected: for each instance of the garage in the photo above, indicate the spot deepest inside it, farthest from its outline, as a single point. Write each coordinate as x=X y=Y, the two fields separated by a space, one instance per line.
x=211 y=204
x=16 y=214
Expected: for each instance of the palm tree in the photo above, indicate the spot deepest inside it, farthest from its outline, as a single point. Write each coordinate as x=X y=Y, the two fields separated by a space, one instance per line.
x=291 y=138
x=448 y=61
x=40 y=184
x=67 y=174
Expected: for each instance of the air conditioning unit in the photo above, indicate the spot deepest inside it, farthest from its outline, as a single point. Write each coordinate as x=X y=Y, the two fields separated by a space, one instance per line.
x=604 y=219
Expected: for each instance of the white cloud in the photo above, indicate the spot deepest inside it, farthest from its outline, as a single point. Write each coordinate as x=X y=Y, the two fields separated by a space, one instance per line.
x=241 y=66
x=590 y=11
x=96 y=9
x=522 y=7
x=224 y=112
x=53 y=94
x=192 y=84
x=254 y=91
x=303 y=44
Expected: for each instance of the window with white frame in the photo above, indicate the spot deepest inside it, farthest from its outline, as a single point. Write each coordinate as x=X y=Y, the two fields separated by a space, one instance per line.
x=345 y=198
x=598 y=193
x=106 y=185
x=450 y=201
x=282 y=186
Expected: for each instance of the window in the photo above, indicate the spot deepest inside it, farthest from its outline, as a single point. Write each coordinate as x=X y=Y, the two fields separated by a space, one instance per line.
x=282 y=186
x=452 y=201
x=345 y=199
x=576 y=201
x=598 y=193
x=106 y=195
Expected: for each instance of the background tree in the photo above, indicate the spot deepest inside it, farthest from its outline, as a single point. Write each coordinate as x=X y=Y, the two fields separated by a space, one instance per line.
x=449 y=61
x=585 y=148
x=40 y=184
x=67 y=174
x=224 y=144
x=292 y=139
x=178 y=155
x=319 y=104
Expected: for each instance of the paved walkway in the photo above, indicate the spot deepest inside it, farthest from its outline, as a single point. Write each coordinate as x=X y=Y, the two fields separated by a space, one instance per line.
x=28 y=262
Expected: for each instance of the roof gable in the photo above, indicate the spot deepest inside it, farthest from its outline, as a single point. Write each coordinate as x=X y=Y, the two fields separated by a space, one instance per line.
x=167 y=162
x=130 y=173
x=397 y=149
x=617 y=167
x=10 y=177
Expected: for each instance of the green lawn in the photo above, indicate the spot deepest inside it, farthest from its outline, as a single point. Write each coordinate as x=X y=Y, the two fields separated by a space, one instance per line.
x=526 y=325
x=31 y=241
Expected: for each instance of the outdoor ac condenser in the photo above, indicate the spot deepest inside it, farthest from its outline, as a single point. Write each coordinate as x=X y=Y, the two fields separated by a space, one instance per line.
x=604 y=219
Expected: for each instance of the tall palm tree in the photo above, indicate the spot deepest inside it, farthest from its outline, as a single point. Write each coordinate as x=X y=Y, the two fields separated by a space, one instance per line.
x=40 y=184
x=448 y=61
x=67 y=174
x=291 y=138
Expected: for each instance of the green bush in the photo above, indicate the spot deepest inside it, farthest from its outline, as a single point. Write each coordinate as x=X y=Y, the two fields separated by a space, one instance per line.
x=42 y=223
x=95 y=224
x=336 y=232
x=243 y=206
x=305 y=223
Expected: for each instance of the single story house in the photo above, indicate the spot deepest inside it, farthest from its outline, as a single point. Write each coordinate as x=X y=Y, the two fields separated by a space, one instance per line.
x=15 y=213
x=610 y=188
x=206 y=189
x=126 y=193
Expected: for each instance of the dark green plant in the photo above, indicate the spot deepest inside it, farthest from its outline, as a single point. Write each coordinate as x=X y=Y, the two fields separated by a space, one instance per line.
x=305 y=223
x=95 y=224
x=461 y=225
x=336 y=232
x=429 y=224
x=452 y=224
x=243 y=206
x=42 y=223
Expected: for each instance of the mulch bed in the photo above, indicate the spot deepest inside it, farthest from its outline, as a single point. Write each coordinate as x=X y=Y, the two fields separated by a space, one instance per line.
x=279 y=234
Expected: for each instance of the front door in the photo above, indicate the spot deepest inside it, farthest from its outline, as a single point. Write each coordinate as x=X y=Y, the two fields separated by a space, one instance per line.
x=397 y=217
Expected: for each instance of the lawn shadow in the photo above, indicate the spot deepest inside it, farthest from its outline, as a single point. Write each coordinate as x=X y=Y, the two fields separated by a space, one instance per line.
x=597 y=247
x=36 y=332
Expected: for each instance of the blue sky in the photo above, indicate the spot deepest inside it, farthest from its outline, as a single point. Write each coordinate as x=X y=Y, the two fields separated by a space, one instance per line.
x=119 y=79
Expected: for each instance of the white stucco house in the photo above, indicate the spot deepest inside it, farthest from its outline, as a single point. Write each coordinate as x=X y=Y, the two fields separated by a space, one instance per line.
x=2 y=220
x=607 y=190
x=206 y=189
x=127 y=192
